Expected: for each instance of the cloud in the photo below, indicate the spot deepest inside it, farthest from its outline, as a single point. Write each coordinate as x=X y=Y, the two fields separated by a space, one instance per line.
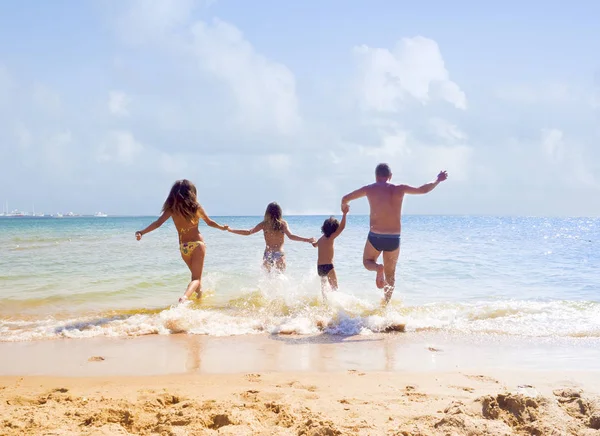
x=568 y=159
x=180 y=94
x=413 y=69
x=118 y=103
x=6 y=85
x=145 y=21
x=265 y=91
x=46 y=99
x=232 y=78
x=23 y=136
x=446 y=130
x=538 y=93
x=552 y=144
x=119 y=146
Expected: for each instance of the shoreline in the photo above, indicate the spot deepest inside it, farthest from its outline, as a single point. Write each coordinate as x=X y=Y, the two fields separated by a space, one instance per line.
x=154 y=355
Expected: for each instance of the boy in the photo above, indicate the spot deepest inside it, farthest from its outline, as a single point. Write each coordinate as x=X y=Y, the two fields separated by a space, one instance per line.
x=331 y=229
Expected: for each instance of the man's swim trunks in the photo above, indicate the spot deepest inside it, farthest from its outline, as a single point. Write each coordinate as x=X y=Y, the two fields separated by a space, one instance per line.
x=383 y=242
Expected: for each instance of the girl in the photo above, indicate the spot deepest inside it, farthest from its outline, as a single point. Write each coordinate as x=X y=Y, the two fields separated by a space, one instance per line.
x=182 y=206
x=275 y=228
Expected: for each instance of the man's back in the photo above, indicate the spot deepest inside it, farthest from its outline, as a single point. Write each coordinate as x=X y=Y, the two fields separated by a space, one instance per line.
x=385 y=201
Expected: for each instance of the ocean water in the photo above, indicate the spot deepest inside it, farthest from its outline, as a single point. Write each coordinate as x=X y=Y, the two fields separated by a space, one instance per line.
x=88 y=277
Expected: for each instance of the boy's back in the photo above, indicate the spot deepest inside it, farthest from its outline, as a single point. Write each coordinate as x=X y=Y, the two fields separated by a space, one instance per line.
x=325 y=249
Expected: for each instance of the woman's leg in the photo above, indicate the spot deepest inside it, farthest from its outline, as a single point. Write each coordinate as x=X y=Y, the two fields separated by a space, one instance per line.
x=196 y=264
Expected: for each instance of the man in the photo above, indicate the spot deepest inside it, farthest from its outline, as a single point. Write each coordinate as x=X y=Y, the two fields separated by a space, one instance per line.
x=385 y=201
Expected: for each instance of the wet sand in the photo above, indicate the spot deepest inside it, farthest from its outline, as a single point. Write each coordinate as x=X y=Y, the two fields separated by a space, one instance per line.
x=395 y=384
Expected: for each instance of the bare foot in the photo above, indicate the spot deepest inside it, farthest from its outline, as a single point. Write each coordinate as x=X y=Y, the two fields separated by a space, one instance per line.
x=380 y=280
x=183 y=299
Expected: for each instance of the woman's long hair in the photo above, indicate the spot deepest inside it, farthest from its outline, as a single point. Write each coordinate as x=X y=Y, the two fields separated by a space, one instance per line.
x=182 y=201
x=273 y=217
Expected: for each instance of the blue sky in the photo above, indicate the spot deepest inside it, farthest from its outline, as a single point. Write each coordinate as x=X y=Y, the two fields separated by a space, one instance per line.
x=103 y=104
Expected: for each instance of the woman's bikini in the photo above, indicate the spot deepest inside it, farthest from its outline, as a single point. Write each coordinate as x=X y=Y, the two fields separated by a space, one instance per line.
x=187 y=248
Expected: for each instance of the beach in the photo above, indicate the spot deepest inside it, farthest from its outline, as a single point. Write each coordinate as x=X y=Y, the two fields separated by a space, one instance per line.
x=298 y=386
x=496 y=334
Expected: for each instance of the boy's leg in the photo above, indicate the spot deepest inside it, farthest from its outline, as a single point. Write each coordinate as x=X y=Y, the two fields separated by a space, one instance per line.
x=390 y=260
x=324 y=287
x=370 y=256
x=332 y=279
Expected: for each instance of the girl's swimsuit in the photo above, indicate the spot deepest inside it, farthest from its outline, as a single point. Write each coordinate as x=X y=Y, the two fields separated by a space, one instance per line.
x=187 y=248
x=273 y=256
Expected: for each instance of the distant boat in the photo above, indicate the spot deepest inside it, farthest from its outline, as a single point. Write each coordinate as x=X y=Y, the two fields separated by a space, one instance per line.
x=58 y=215
x=100 y=215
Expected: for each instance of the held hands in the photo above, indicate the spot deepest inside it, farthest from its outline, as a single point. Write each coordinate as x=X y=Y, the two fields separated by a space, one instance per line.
x=443 y=175
x=345 y=208
x=313 y=241
x=225 y=228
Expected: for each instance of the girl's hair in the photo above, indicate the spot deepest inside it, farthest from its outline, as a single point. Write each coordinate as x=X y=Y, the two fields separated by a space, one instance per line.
x=273 y=217
x=182 y=201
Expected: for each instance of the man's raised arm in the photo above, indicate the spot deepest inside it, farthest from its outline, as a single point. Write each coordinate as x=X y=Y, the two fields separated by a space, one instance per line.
x=427 y=187
x=354 y=195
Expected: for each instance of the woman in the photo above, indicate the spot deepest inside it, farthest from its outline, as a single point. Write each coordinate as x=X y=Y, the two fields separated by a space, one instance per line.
x=182 y=206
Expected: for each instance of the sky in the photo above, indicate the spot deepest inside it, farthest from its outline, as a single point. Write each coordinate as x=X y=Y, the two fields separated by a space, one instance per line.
x=105 y=103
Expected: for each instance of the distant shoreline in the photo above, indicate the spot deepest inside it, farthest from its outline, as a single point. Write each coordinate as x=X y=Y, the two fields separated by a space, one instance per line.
x=318 y=215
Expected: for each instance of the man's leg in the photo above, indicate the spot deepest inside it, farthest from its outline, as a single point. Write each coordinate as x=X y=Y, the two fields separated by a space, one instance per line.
x=370 y=257
x=390 y=260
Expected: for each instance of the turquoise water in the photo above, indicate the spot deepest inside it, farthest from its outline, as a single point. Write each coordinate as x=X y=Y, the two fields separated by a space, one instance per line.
x=84 y=277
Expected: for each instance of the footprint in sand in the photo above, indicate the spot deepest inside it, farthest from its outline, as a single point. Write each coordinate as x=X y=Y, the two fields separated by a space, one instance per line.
x=253 y=377
x=355 y=372
x=482 y=378
x=96 y=359
x=463 y=388
x=298 y=385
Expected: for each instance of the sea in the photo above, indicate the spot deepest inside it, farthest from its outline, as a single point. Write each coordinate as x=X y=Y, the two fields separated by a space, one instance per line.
x=85 y=277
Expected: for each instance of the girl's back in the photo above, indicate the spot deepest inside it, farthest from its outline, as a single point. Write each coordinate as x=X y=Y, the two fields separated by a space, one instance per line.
x=274 y=238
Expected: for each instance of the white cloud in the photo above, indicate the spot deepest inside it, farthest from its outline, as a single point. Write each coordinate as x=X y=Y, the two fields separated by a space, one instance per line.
x=145 y=21
x=552 y=144
x=56 y=152
x=209 y=100
x=446 y=130
x=538 y=93
x=6 y=85
x=414 y=68
x=23 y=136
x=118 y=103
x=279 y=162
x=568 y=158
x=416 y=160
x=265 y=91
x=119 y=146
x=46 y=99
x=259 y=91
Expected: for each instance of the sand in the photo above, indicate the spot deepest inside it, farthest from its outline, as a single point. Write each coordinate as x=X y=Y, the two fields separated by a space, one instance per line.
x=347 y=403
x=343 y=387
